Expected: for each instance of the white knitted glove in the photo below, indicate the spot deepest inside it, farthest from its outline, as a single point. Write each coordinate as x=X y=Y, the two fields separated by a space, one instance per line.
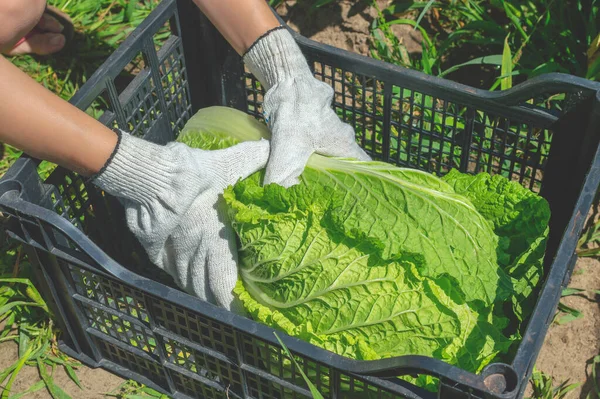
x=297 y=108
x=173 y=204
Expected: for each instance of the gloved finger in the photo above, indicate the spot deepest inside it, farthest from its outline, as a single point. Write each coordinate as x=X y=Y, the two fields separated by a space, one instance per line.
x=342 y=144
x=284 y=169
x=351 y=151
x=242 y=160
x=182 y=251
x=193 y=276
x=221 y=262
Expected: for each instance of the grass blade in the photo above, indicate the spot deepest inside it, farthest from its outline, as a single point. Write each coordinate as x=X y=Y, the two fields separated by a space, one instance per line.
x=571 y=291
x=34 y=388
x=9 y=338
x=9 y=320
x=129 y=11
x=41 y=351
x=33 y=294
x=321 y=3
x=401 y=7
x=15 y=280
x=593 y=72
x=511 y=13
x=313 y=390
x=571 y=314
x=501 y=77
x=152 y=392
x=563 y=389
x=10 y=305
x=55 y=390
x=72 y=375
x=30 y=290
x=495 y=59
x=24 y=341
x=422 y=14
x=588 y=252
x=542 y=387
x=593 y=53
x=15 y=372
x=507 y=66
x=58 y=393
x=6 y=372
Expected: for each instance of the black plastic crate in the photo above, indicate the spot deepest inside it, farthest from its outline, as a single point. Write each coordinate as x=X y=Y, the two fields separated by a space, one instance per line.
x=118 y=312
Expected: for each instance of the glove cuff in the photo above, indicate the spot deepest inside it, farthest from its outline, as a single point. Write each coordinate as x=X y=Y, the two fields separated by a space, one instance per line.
x=137 y=170
x=275 y=57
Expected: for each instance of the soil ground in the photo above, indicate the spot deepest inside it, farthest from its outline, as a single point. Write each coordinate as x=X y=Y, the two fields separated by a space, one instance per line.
x=568 y=348
x=96 y=382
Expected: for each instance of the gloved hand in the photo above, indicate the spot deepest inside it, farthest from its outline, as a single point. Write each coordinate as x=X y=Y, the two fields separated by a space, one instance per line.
x=297 y=108
x=173 y=205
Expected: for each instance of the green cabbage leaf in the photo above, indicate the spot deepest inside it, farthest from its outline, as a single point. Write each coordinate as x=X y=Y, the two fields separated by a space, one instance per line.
x=369 y=260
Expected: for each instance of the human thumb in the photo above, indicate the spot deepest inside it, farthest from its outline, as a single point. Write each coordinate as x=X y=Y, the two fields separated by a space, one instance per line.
x=286 y=163
x=241 y=160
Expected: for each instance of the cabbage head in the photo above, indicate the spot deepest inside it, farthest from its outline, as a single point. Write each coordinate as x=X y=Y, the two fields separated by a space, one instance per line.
x=369 y=260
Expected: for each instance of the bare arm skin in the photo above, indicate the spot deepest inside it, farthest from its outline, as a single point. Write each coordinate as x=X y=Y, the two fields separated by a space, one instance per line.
x=241 y=22
x=46 y=127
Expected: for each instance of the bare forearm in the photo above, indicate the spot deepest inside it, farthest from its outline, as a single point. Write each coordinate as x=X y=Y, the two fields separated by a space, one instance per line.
x=241 y=22
x=47 y=127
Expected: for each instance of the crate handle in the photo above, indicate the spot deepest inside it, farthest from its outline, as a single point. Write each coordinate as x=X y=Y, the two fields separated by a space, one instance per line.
x=23 y=180
x=498 y=380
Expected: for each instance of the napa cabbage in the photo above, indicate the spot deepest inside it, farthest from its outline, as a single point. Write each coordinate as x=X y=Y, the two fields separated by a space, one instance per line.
x=369 y=260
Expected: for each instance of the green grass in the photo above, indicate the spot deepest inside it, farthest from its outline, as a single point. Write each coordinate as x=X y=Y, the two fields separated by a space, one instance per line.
x=100 y=26
x=134 y=390
x=540 y=36
x=28 y=322
x=544 y=387
x=589 y=243
x=315 y=3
